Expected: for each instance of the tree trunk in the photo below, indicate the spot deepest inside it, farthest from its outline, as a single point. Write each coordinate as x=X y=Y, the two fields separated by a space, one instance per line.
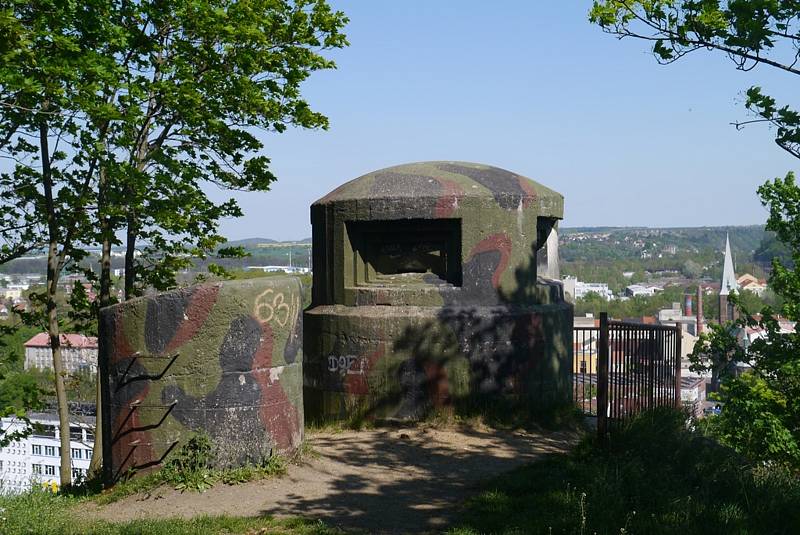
x=104 y=300
x=130 y=249
x=53 y=330
x=58 y=365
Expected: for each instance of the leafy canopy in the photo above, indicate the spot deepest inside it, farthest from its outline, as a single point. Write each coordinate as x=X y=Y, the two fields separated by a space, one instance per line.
x=749 y=32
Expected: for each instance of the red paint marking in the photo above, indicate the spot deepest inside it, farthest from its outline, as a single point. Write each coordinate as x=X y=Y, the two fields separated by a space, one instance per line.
x=202 y=301
x=358 y=383
x=263 y=356
x=122 y=451
x=530 y=192
x=438 y=386
x=448 y=199
x=120 y=346
x=495 y=242
x=281 y=426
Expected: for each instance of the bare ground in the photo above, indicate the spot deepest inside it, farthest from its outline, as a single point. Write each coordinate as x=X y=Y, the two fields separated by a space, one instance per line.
x=407 y=480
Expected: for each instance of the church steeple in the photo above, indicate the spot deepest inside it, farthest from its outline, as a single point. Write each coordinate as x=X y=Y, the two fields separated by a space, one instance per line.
x=729 y=284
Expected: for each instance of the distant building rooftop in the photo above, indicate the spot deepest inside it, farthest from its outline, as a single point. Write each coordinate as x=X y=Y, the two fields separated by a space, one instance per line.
x=67 y=340
x=53 y=417
x=691 y=382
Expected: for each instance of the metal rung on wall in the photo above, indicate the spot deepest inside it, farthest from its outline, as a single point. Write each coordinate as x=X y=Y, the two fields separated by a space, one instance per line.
x=138 y=403
x=138 y=355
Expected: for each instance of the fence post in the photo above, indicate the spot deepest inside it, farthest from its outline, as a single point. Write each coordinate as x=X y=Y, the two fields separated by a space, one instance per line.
x=602 y=378
x=678 y=356
x=651 y=369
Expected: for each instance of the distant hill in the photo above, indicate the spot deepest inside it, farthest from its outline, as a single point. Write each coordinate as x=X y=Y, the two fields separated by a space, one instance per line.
x=605 y=254
x=607 y=243
x=583 y=251
x=249 y=242
x=260 y=242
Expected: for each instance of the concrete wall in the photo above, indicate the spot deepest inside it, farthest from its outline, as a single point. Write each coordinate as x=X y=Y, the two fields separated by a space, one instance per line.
x=403 y=362
x=222 y=358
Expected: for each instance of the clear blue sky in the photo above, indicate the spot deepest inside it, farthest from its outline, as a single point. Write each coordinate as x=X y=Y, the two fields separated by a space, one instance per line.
x=531 y=87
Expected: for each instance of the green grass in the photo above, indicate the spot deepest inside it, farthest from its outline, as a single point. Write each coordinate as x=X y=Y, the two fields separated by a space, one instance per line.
x=654 y=477
x=123 y=488
x=43 y=513
x=196 y=480
x=501 y=413
x=189 y=470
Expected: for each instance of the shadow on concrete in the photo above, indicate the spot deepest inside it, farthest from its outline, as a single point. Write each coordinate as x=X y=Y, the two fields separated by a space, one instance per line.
x=507 y=358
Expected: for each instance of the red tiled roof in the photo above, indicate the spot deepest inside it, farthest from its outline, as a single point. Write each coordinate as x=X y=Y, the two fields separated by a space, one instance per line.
x=67 y=340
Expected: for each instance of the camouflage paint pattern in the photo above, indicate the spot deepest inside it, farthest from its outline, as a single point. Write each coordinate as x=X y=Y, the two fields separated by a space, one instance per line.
x=398 y=344
x=220 y=358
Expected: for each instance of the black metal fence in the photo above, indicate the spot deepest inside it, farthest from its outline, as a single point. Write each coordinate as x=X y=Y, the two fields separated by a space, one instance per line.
x=622 y=368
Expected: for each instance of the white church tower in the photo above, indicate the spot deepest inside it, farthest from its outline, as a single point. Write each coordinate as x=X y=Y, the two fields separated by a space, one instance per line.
x=729 y=284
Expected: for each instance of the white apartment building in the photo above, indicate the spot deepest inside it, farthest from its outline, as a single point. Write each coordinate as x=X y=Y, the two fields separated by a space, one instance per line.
x=636 y=290
x=35 y=460
x=78 y=352
x=693 y=394
x=11 y=292
x=578 y=290
x=278 y=269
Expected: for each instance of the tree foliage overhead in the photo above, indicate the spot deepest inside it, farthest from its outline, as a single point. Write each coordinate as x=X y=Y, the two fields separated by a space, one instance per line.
x=147 y=104
x=197 y=80
x=749 y=32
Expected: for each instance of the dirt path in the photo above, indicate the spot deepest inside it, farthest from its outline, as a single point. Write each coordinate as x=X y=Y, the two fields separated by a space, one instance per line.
x=380 y=481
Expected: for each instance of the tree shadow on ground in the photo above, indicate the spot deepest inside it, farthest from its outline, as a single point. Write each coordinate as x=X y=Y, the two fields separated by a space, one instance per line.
x=410 y=480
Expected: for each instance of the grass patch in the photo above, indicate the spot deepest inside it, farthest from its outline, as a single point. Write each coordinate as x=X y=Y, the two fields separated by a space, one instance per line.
x=654 y=477
x=128 y=486
x=510 y=414
x=305 y=451
x=499 y=413
x=188 y=469
x=272 y=467
x=46 y=513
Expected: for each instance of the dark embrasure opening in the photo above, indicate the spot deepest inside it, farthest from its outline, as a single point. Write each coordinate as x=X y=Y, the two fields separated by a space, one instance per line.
x=406 y=251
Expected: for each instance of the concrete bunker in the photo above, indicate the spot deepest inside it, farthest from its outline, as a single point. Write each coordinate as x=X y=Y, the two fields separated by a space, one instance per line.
x=223 y=358
x=432 y=289
x=427 y=294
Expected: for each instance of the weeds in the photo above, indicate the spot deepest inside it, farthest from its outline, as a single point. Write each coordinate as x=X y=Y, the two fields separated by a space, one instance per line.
x=499 y=413
x=304 y=451
x=190 y=469
x=129 y=485
x=271 y=467
x=654 y=476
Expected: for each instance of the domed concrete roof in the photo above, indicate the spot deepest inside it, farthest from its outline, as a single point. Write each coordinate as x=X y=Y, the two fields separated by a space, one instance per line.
x=448 y=180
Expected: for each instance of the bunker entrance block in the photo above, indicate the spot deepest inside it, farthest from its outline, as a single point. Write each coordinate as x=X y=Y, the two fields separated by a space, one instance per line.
x=426 y=294
x=222 y=359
